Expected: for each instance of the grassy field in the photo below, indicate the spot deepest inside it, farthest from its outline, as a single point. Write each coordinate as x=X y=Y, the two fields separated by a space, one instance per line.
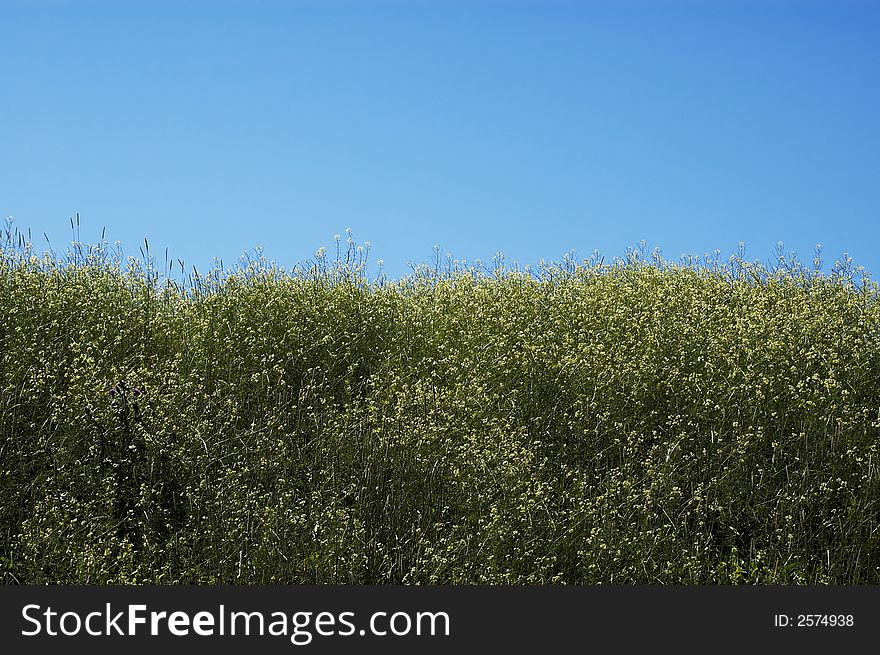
x=635 y=421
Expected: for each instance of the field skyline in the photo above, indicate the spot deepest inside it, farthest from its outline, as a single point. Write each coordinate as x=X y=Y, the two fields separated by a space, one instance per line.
x=617 y=358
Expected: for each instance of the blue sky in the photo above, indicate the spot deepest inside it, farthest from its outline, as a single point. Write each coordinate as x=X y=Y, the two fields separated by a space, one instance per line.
x=530 y=128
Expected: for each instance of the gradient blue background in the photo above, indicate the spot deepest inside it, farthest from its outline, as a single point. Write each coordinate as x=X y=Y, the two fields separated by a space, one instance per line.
x=530 y=128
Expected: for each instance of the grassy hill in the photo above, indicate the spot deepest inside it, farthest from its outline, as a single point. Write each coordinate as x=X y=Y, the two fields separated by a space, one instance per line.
x=635 y=421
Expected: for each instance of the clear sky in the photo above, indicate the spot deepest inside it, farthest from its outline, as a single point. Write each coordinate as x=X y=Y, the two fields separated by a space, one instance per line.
x=531 y=128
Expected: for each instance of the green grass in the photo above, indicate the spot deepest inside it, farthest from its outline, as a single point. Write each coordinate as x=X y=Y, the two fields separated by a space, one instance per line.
x=631 y=422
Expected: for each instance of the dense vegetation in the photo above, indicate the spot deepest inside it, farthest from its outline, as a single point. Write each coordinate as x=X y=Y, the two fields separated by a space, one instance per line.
x=632 y=421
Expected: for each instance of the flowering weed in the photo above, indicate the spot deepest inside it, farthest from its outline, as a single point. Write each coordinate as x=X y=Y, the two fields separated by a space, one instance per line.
x=638 y=421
